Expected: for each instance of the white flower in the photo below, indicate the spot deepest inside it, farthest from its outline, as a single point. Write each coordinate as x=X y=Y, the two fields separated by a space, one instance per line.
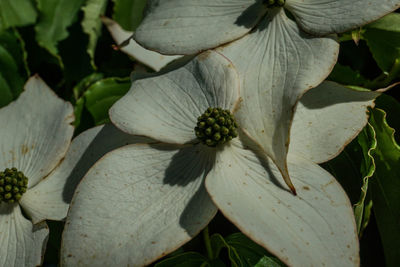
x=35 y=135
x=190 y=26
x=142 y=201
x=276 y=59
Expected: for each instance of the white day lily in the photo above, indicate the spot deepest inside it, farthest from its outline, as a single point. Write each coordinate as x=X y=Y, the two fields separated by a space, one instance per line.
x=142 y=201
x=276 y=59
x=34 y=139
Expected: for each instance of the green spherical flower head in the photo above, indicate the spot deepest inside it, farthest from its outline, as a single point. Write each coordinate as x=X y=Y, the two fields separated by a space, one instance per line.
x=274 y=3
x=215 y=127
x=13 y=185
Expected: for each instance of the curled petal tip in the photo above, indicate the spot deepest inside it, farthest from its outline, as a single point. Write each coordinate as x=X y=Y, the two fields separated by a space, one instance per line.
x=288 y=181
x=293 y=190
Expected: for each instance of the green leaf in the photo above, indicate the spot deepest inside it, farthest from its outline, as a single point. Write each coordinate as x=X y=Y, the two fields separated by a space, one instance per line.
x=385 y=187
x=91 y=23
x=79 y=106
x=15 y=13
x=383 y=39
x=346 y=75
x=82 y=86
x=55 y=17
x=367 y=214
x=353 y=168
x=188 y=259
x=392 y=108
x=75 y=59
x=129 y=13
x=13 y=73
x=100 y=96
x=268 y=262
x=79 y=90
x=20 y=53
x=367 y=141
x=218 y=243
x=346 y=169
x=5 y=91
x=250 y=253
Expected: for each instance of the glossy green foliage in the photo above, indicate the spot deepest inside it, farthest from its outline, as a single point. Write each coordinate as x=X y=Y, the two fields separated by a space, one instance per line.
x=16 y=13
x=13 y=71
x=91 y=24
x=385 y=187
x=129 y=13
x=54 y=19
x=99 y=97
x=383 y=38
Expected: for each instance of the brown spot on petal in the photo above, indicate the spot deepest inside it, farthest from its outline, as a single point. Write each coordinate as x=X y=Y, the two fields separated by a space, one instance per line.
x=24 y=149
x=203 y=56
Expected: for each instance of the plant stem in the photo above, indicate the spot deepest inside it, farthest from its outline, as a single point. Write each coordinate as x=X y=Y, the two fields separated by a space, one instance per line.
x=207 y=243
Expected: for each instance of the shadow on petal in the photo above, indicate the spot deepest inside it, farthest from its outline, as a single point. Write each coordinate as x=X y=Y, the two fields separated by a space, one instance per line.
x=200 y=206
x=246 y=19
x=7 y=208
x=331 y=93
x=188 y=165
x=249 y=144
x=106 y=139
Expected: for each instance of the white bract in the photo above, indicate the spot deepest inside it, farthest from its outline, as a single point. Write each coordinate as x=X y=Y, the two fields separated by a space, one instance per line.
x=142 y=201
x=190 y=26
x=277 y=58
x=35 y=135
x=149 y=58
x=35 y=139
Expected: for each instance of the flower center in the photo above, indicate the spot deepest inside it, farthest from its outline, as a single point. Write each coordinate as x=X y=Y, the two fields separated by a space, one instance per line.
x=215 y=127
x=274 y=3
x=13 y=185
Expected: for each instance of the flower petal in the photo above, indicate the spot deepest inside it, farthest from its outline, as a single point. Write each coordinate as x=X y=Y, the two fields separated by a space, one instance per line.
x=36 y=131
x=166 y=107
x=190 y=26
x=149 y=58
x=50 y=198
x=277 y=63
x=137 y=204
x=327 y=118
x=314 y=228
x=21 y=243
x=322 y=17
